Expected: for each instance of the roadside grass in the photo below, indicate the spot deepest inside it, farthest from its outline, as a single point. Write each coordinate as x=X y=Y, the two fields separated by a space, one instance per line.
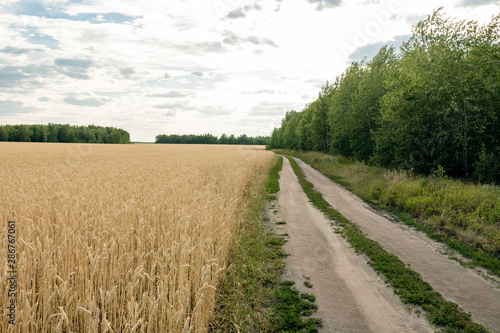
x=250 y=297
x=465 y=216
x=407 y=283
x=244 y=294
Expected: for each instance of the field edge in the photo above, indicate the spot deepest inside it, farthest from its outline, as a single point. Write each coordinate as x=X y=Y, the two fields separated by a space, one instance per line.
x=244 y=294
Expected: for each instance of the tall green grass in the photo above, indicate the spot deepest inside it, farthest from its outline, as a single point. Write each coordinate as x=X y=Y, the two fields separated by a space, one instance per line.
x=465 y=216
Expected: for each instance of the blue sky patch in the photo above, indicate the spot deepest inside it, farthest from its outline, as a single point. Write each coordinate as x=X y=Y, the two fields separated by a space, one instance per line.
x=11 y=76
x=34 y=37
x=14 y=50
x=36 y=8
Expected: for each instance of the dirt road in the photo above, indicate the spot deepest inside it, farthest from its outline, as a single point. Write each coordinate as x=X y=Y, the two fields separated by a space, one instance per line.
x=461 y=285
x=351 y=297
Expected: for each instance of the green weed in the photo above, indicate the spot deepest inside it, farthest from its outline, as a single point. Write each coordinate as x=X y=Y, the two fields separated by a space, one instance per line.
x=308 y=284
x=275 y=241
x=290 y=306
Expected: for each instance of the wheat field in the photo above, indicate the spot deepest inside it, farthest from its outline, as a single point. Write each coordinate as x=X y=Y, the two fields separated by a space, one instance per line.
x=120 y=238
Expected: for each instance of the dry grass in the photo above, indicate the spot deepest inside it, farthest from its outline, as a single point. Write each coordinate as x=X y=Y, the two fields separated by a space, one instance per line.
x=115 y=238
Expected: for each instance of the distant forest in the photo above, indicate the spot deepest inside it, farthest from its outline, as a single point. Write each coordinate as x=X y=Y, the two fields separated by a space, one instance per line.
x=212 y=139
x=63 y=133
x=434 y=106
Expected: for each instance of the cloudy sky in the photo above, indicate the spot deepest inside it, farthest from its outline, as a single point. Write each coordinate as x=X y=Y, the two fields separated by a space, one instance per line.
x=190 y=66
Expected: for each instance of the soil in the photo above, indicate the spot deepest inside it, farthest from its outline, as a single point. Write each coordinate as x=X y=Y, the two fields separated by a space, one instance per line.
x=350 y=295
x=344 y=281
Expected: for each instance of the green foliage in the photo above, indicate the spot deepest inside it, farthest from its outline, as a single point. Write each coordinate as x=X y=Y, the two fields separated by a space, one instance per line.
x=290 y=124
x=341 y=116
x=355 y=105
x=4 y=134
x=320 y=127
x=408 y=284
x=487 y=167
x=275 y=141
x=304 y=131
x=439 y=106
x=433 y=104
x=440 y=172
x=24 y=133
x=308 y=129
x=63 y=133
x=211 y=139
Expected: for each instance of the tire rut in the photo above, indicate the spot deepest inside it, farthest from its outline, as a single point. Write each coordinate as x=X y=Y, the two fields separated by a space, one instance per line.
x=350 y=295
x=456 y=283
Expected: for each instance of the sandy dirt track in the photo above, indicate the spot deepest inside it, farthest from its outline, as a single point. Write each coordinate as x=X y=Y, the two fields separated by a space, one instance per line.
x=461 y=285
x=351 y=297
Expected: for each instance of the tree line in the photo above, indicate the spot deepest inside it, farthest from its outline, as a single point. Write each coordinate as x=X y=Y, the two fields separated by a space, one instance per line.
x=212 y=139
x=63 y=133
x=434 y=105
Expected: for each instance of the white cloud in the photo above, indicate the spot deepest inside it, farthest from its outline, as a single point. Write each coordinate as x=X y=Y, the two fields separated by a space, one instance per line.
x=198 y=74
x=367 y=52
x=237 y=13
x=475 y=3
x=171 y=94
x=11 y=107
x=323 y=4
x=188 y=66
x=85 y=100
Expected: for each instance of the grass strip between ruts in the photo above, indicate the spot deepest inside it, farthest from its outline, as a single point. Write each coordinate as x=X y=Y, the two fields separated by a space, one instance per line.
x=370 y=184
x=273 y=183
x=407 y=283
x=250 y=296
